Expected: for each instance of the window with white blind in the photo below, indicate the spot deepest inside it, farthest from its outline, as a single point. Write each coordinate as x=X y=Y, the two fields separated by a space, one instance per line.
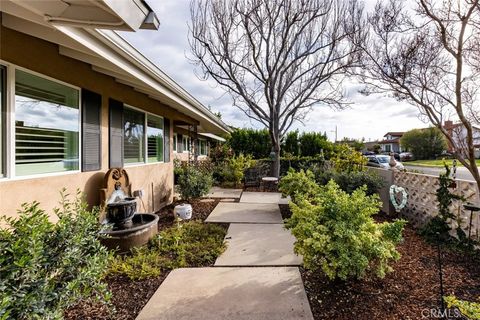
x=154 y=138
x=47 y=125
x=133 y=136
x=186 y=144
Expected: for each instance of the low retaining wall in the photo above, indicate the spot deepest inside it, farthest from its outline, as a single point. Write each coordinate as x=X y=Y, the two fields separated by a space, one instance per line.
x=422 y=200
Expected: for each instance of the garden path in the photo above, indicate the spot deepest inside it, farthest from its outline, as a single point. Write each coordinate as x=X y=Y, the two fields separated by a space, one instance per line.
x=256 y=278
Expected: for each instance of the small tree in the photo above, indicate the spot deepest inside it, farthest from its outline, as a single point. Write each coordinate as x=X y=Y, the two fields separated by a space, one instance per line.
x=276 y=58
x=424 y=143
x=428 y=57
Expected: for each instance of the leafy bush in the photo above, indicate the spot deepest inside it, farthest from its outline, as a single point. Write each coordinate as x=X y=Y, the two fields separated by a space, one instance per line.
x=437 y=228
x=46 y=267
x=193 y=182
x=471 y=310
x=234 y=168
x=346 y=159
x=298 y=184
x=256 y=143
x=351 y=181
x=336 y=233
x=314 y=143
x=191 y=244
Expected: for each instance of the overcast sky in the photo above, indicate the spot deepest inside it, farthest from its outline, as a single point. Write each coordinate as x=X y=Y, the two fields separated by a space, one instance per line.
x=369 y=117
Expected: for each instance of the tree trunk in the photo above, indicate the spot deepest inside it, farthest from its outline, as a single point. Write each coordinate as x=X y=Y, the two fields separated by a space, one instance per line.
x=276 y=161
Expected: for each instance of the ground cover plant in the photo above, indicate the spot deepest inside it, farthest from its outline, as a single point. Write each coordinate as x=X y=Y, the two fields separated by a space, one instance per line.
x=190 y=244
x=134 y=278
x=45 y=267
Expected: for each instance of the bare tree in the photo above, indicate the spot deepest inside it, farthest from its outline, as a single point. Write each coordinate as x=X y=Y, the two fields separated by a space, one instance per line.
x=429 y=56
x=276 y=58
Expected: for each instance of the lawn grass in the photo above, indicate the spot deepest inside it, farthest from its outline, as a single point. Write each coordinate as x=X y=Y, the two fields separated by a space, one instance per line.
x=434 y=163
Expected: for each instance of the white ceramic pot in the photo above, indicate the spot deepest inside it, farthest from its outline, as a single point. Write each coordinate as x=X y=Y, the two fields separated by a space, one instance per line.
x=183 y=211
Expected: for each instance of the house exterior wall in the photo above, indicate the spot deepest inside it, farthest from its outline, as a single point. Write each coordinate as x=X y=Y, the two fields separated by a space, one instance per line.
x=43 y=57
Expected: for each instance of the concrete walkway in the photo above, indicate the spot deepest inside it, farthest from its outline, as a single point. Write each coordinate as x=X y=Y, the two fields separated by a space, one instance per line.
x=256 y=278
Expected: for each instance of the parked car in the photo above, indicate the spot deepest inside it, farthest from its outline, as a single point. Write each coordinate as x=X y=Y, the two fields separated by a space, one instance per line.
x=406 y=156
x=382 y=161
x=396 y=155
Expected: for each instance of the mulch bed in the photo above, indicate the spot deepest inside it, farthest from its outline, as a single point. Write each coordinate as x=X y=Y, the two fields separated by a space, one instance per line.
x=201 y=210
x=410 y=292
x=128 y=296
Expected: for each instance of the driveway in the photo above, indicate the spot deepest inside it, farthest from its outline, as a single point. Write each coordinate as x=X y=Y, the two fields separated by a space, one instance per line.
x=462 y=173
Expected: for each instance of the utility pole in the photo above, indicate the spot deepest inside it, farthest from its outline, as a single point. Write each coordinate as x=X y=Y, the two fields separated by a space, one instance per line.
x=336 y=132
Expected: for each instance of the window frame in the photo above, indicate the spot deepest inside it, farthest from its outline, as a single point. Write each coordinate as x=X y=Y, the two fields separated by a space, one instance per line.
x=186 y=146
x=145 y=140
x=174 y=142
x=10 y=143
x=146 y=137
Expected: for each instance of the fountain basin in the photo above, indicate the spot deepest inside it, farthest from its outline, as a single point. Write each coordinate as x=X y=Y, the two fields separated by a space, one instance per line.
x=144 y=227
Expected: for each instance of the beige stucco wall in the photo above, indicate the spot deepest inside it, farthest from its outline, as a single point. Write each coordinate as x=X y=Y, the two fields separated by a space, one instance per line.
x=43 y=57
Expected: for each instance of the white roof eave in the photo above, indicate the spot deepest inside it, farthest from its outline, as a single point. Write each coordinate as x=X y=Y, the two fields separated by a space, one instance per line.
x=111 y=47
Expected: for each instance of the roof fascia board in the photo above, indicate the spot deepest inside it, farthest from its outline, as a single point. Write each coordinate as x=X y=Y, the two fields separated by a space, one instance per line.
x=95 y=44
x=118 y=43
x=132 y=12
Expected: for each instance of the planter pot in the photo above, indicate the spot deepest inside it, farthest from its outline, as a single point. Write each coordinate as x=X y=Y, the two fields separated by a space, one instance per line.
x=183 y=211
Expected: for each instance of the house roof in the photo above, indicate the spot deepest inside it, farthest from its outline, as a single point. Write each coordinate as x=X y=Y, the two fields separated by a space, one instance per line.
x=394 y=133
x=108 y=53
x=389 y=141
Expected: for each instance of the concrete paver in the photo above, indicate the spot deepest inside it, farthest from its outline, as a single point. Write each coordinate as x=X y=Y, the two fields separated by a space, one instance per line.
x=217 y=192
x=261 y=197
x=258 y=245
x=230 y=293
x=245 y=213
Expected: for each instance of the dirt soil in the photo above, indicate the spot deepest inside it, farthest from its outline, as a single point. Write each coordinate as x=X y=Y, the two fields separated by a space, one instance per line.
x=130 y=296
x=412 y=291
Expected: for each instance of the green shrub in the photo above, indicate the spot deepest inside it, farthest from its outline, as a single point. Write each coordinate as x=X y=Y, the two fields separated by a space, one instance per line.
x=46 y=267
x=190 y=244
x=351 y=181
x=256 y=143
x=336 y=233
x=234 y=168
x=346 y=159
x=193 y=182
x=299 y=184
x=471 y=310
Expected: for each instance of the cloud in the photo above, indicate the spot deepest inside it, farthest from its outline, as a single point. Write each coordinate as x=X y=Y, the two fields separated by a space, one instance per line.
x=369 y=116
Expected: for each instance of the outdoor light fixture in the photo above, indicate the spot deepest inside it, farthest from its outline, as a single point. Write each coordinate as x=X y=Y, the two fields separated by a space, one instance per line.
x=151 y=22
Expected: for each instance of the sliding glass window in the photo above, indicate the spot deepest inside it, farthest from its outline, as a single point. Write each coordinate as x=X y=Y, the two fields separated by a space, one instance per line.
x=47 y=126
x=134 y=135
x=3 y=120
x=154 y=138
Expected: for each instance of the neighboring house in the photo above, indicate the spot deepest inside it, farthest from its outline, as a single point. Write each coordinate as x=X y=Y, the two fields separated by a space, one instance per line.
x=459 y=133
x=76 y=101
x=391 y=142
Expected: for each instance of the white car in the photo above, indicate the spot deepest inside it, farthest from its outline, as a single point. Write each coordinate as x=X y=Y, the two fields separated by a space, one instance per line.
x=382 y=161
